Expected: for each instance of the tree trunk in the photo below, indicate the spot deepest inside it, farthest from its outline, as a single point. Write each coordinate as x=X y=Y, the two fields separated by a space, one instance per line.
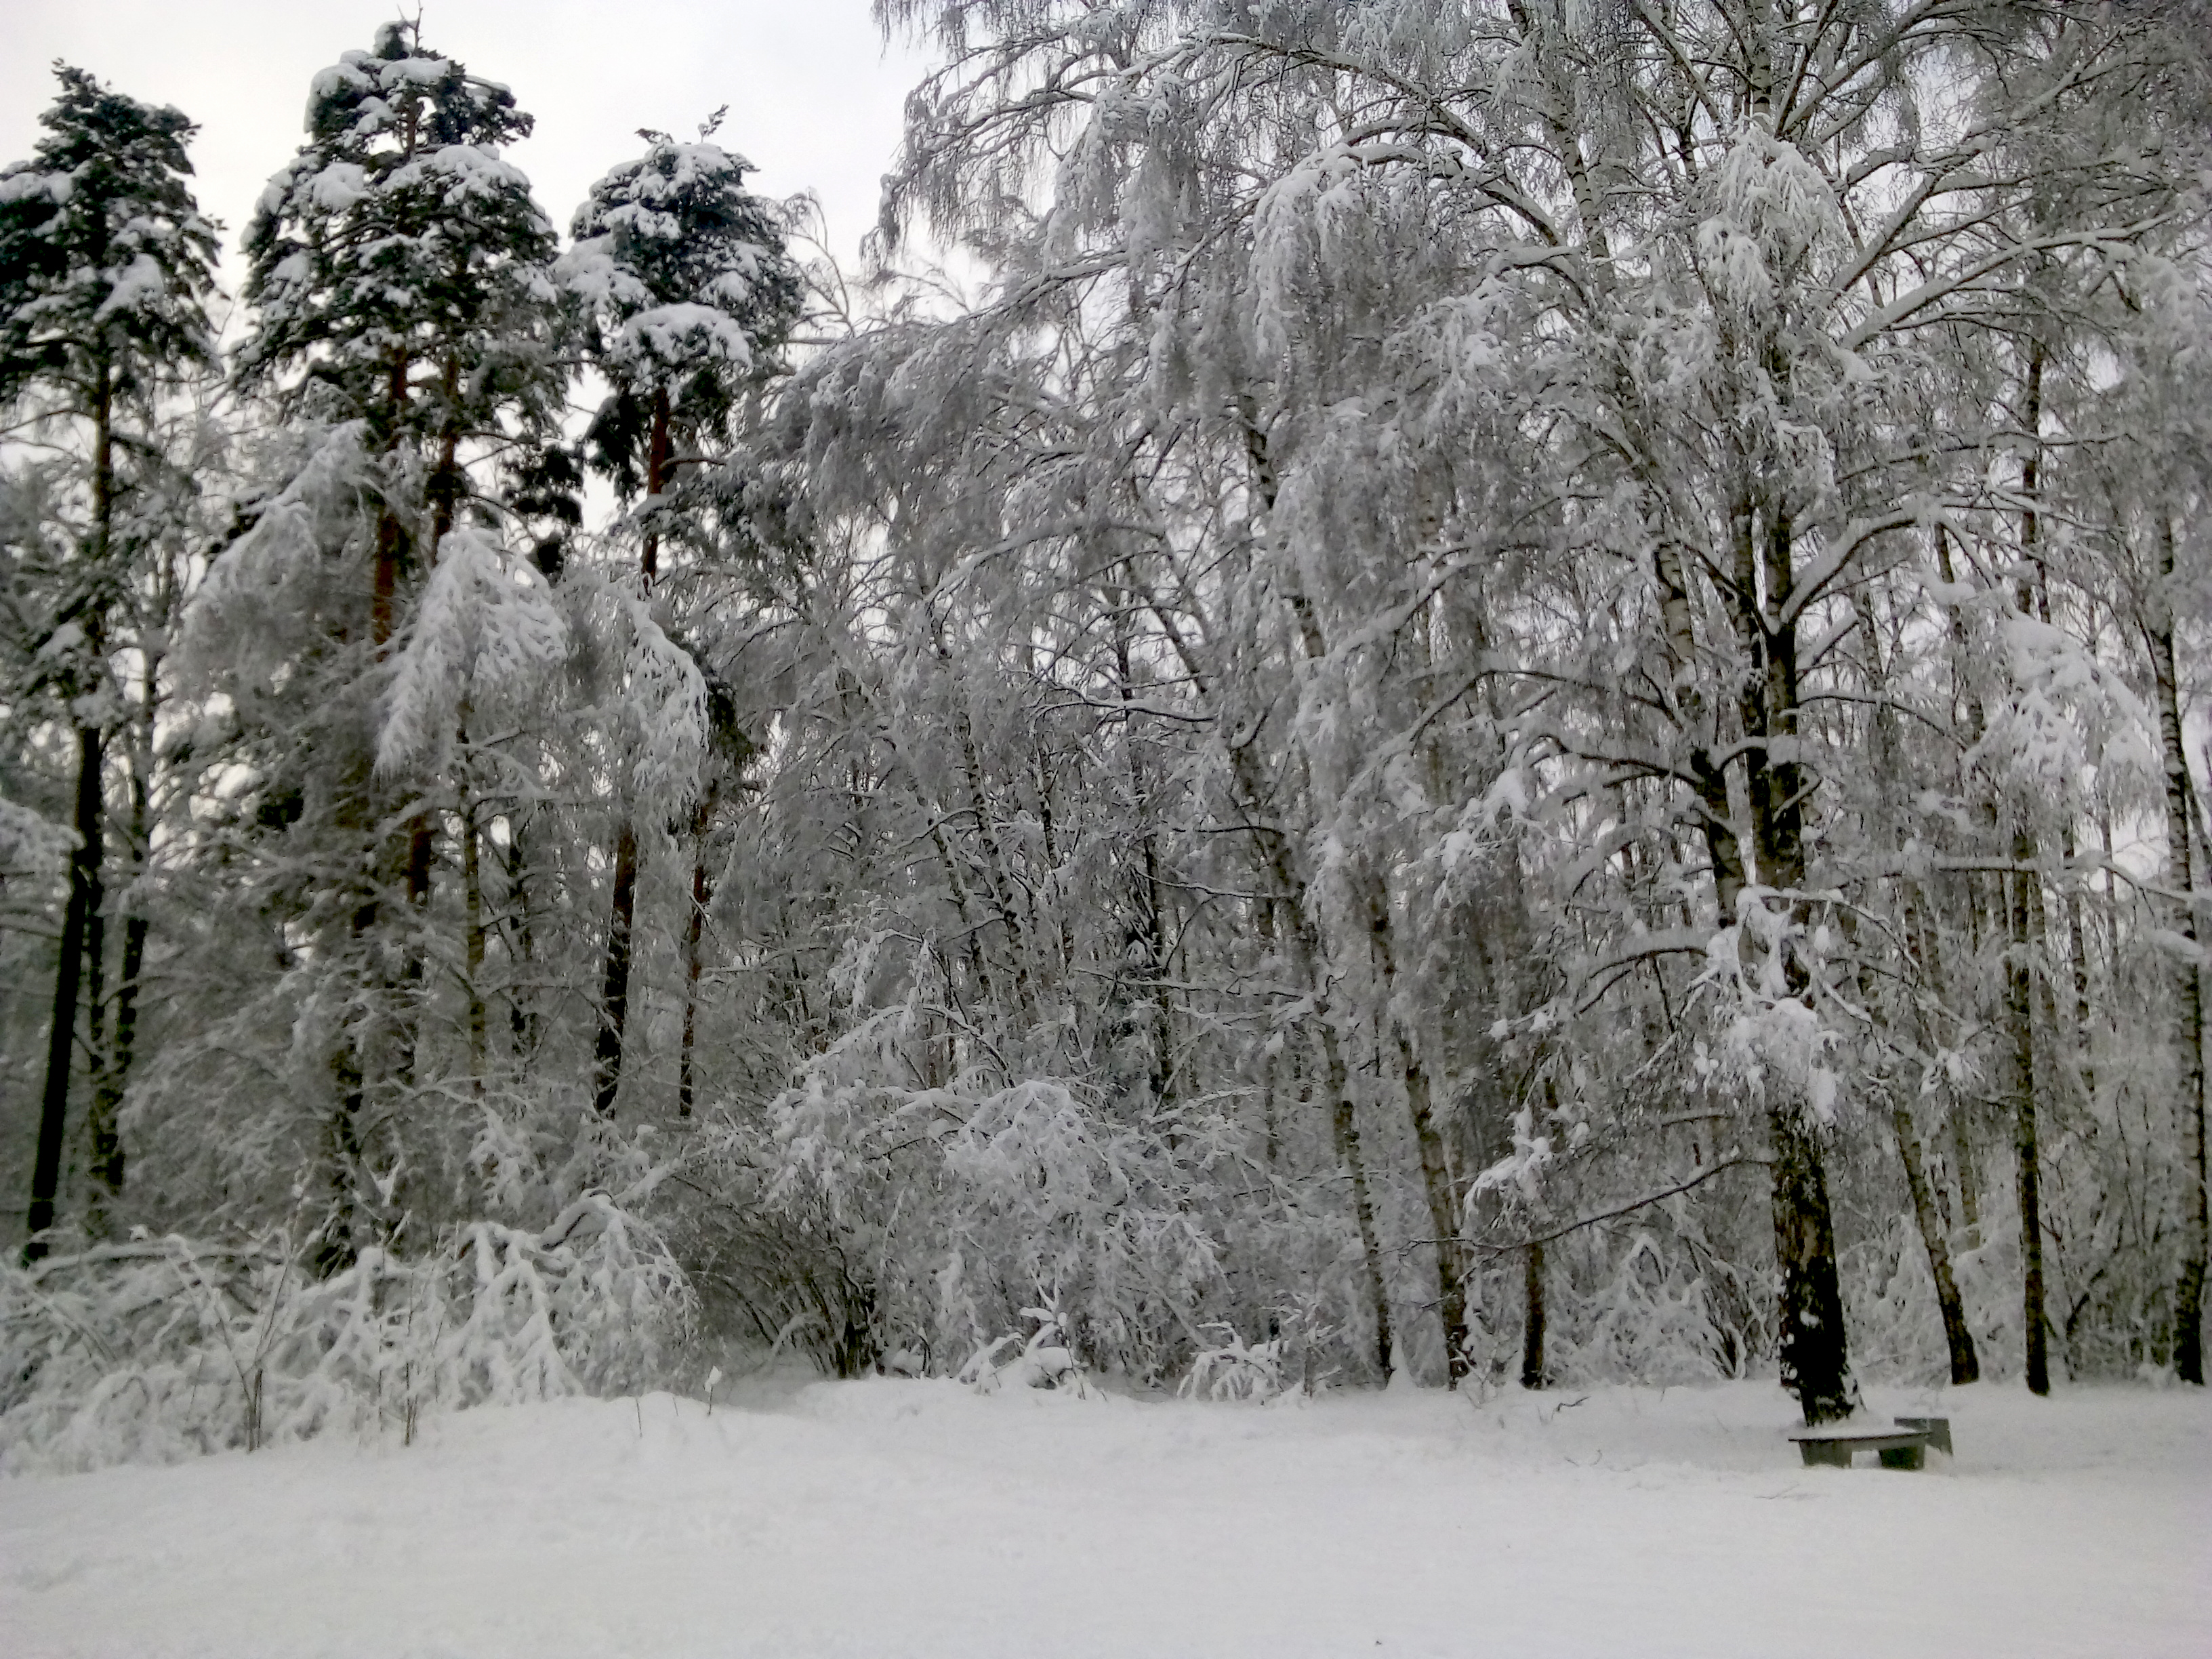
x=1276 y=856
x=694 y=955
x=106 y=1142
x=1436 y=1176
x=61 y=1039
x=334 y=1246
x=2024 y=914
x=660 y=453
x=473 y=940
x=2188 y=982
x=1443 y=1213
x=614 y=1001
x=420 y=849
x=522 y=954
x=1532 y=1318
x=1815 y=1363
x=1346 y=1129
x=2020 y=1021
x=1966 y=1364
x=94 y=998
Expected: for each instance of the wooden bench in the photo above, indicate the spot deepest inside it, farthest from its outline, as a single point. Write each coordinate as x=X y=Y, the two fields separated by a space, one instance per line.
x=1905 y=1447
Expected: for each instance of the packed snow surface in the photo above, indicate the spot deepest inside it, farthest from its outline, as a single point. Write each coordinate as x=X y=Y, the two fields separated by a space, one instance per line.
x=901 y=1520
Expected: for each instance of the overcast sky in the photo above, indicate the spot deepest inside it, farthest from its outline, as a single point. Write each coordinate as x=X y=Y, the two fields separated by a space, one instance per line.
x=814 y=97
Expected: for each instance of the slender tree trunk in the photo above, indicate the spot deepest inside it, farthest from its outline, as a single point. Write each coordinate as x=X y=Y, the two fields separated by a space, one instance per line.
x=420 y=849
x=659 y=456
x=1275 y=853
x=107 y=1143
x=473 y=941
x=2188 y=982
x=694 y=952
x=1152 y=901
x=2025 y=933
x=1966 y=1364
x=94 y=998
x=445 y=489
x=614 y=1001
x=81 y=920
x=1443 y=1212
x=1345 y=1125
x=334 y=1246
x=1435 y=1176
x=1928 y=1209
x=2020 y=1021
x=1532 y=1317
x=60 y=1039
x=522 y=998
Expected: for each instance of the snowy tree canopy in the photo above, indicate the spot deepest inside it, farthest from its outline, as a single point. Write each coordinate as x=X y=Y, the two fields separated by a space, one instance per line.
x=1504 y=690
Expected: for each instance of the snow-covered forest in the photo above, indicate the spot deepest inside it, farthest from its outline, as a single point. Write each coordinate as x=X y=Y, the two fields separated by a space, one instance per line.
x=1497 y=692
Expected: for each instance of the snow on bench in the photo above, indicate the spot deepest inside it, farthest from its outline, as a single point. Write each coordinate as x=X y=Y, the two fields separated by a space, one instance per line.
x=1905 y=1447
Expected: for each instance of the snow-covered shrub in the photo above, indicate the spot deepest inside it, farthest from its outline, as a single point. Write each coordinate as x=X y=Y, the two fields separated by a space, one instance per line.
x=167 y=1348
x=1043 y=1360
x=1661 y=1314
x=1233 y=1371
x=873 y=1212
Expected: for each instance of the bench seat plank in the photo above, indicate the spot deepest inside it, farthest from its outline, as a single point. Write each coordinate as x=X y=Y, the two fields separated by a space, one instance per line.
x=1900 y=1449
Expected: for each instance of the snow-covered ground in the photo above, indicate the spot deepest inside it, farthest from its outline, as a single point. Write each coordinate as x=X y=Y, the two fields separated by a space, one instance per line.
x=899 y=1520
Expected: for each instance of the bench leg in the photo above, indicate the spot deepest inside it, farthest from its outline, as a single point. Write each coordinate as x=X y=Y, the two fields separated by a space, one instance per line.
x=1904 y=1457
x=1833 y=1452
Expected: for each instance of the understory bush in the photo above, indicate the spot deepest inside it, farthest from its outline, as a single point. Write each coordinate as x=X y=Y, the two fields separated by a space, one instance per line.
x=166 y=1348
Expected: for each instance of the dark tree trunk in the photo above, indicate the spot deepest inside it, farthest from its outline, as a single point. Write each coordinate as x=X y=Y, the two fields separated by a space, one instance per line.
x=2024 y=914
x=2188 y=982
x=1436 y=1175
x=2019 y=1020
x=1345 y=1128
x=82 y=924
x=693 y=954
x=107 y=1143
x=384 y=592
x=335 y=1248
x=1532 y=1317
x=1814 y=1361
x=1966 y=1364
x=107 y=1159
x=614 y=1001
x=472 y=940
x=94 y=998
x=60 y=1039
x=420 y=848
x=1443 y=1214
x=522 y=954
x=660 y=453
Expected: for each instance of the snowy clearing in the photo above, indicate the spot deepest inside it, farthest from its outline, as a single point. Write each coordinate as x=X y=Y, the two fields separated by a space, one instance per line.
x=916 y=1519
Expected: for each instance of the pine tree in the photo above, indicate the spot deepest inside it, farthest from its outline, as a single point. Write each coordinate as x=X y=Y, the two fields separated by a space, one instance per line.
x=687 y=294
x=105 y=265
x=400 y=273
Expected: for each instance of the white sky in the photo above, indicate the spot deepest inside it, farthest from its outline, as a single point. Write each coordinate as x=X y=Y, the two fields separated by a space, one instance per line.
x=815 y=98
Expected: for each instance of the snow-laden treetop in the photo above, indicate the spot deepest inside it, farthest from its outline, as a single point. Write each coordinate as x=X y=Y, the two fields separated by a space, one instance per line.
x=680 y=274
x=399 y=239
x=102 y=250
